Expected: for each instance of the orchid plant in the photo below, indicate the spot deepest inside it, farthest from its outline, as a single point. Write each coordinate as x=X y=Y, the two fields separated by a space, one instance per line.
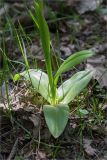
x=56 y=112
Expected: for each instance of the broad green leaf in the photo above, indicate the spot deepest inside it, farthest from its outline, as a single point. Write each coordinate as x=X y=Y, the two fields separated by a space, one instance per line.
x=73 y=86
x=16 y=77
x=82 y=112
x=103 y=11
x=56 y=118
x=74 y=60
x=40 y=82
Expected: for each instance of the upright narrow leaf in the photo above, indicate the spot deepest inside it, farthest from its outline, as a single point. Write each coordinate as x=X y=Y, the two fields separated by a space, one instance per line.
x=45 y=37
x=34 y=19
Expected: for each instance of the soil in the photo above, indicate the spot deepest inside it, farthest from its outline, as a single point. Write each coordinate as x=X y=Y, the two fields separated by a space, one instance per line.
x=23 y=131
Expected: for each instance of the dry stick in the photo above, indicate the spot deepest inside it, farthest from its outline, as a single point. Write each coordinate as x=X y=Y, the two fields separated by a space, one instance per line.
x=13 y=151
x=38 y=142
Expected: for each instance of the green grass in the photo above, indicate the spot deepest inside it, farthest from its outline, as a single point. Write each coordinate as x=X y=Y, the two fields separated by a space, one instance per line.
x=96 y=116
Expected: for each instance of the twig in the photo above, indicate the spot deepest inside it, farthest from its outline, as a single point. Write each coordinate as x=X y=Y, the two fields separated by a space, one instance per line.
x=13 y=151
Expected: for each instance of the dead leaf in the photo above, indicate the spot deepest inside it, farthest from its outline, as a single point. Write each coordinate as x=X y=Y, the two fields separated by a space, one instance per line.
x=71 y=2
x=19 y=6
x=98 y=64
x=88 y=148
x=100 y=48
x=4 y=10
x=36 y=121
x=35 y=51
x=3 y=91
x=87 y=5
x=104 y=107
x=65 y=50
x=41 y=155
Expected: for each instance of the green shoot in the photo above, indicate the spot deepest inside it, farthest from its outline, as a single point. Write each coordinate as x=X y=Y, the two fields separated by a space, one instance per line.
x=57 y=112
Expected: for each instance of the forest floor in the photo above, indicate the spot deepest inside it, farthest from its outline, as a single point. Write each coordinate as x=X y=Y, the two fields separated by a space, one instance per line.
x=23 y=131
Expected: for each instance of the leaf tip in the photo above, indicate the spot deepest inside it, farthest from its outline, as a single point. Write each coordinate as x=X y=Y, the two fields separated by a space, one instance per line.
x=16 y=77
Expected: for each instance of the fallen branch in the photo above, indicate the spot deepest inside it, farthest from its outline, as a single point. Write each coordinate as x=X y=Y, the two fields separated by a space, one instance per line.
x=13 y=151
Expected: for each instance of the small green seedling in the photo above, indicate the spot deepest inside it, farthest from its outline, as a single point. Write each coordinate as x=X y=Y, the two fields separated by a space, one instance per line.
x=56 y=111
